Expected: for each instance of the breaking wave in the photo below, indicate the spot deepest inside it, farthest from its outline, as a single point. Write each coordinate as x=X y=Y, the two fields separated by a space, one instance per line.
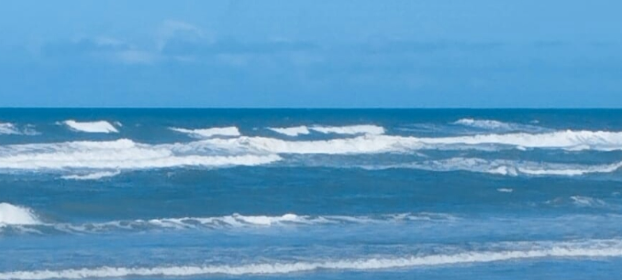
x=238 y=221
x=351 y=129
x=11 y=129
x=209 y=132
x=498 y=126
x=512 y=251
x=92 y=176
x=16 y=215
x=345 y=130
x=121 y=154
x=91 y=127
x=507 y=167
x=586 y=201
x=568 y=140
x=291 y=131
x=8 y=128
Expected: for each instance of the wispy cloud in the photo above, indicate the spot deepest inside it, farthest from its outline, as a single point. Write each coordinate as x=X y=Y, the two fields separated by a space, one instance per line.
x=178 y=30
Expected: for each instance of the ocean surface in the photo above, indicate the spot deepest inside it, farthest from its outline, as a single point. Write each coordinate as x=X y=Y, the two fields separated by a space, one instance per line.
x=310 y=194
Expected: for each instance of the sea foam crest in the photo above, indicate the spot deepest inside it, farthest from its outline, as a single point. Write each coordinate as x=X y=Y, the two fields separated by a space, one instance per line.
x=569 y=140
x=351 y=129
x=209 y=132
x=344 y=130
x=498 y=125
x=8 y=128
x=240 y=221
x=121 y=154
x=584 y=249
x=91 y=127
x=507 y=167
x=11 y=129
x=16 y=215
x=92 y=176
x=291 y=131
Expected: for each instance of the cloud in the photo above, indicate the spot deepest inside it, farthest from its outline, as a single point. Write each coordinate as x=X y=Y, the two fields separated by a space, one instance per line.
x=99 y=48
x=179 y=31
x=136 y=57
x=232 y=46
x=85 y=46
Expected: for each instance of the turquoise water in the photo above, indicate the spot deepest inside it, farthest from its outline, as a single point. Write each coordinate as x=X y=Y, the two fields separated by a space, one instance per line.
x=313 y=194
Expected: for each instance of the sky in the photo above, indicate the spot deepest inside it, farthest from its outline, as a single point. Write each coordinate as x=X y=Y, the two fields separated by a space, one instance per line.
x=314 y=53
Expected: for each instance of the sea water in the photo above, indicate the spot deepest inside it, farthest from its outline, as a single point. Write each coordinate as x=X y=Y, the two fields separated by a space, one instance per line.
x=310 y=194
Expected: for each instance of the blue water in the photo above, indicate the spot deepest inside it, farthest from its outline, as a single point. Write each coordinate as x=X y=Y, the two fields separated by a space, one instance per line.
x=311 y=194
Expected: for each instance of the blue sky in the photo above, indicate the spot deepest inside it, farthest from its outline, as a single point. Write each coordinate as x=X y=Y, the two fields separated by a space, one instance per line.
x=479 y=53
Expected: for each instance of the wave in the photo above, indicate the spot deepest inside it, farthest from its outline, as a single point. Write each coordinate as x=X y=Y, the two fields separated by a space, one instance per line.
x=92 y=176
x=8 y=128
x=121 y=154
x=351 y=129
x=535 y=250
x=568 y=140
x=586 y=201
x=506 y=167
x=16 y=215
x=91 y=127
x=498 y=125
x=345 y=130
x=233 y=221
x=11 y=129
x=291 y=131
x=209 y=132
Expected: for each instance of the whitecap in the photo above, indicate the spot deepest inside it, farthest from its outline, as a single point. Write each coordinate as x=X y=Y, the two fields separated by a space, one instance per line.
x=92 y=176
x=342 y=130
x=16 y=215
x=495 y=125
x=11 y=129
x=121 y=155
x=8 y=128
x=91 y=127
x=291 y=131
x=370 y=143
x=350 y=129
x=585 y=201
x=243 y=221
x=209 y=132
x=506 y=167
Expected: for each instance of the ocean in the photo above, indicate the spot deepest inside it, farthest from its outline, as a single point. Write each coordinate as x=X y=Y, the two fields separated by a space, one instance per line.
x=310 y=194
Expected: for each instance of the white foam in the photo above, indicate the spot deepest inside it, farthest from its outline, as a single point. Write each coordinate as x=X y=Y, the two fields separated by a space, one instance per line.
x=209 y=132
x=505 y=190
x=572 y=140
x=581 y=249
x=357 y=145
x=344 y=130
x=11 y=129
x=351 y=129
x=121 y=154
x=508 y=167
x=585 y=201
x=244 y=221
x=498 y=126
x=92 y=176
x=91 y=127
x=16 y=215
x=8 y=128
x=568 y=140
x=291 y=131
